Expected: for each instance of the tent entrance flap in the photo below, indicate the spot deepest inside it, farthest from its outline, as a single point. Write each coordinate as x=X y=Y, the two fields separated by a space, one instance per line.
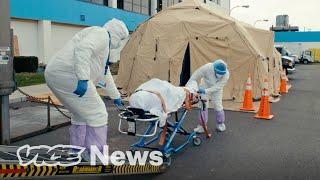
x=186 y=69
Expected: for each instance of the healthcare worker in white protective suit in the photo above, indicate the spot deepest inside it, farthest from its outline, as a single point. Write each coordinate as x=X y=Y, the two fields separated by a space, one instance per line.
x=213 y=77
x=73 y=73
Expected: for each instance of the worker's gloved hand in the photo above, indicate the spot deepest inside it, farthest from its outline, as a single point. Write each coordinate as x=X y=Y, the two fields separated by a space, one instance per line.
x=81 y=88
x=201 y=90
x=118 y=102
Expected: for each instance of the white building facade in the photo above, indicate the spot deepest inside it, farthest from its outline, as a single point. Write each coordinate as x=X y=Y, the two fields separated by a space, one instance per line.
x=43 y=27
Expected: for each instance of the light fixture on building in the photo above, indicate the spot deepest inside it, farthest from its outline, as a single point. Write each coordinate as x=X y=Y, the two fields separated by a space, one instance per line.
x=243 y=6
x=260 y=20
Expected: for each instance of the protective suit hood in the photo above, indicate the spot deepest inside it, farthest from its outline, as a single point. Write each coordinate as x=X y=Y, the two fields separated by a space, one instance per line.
x=119 y=36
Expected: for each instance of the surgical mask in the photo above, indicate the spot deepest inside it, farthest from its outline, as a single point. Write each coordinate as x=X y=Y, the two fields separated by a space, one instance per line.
x=219 y=76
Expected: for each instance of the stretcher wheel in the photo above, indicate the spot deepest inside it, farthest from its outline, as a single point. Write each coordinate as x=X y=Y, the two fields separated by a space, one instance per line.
x=196 y=141
x=133 y=150
x=167 y=160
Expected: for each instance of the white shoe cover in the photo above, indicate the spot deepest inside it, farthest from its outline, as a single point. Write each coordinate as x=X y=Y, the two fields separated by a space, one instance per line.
x=199 y=129
x=221 y=127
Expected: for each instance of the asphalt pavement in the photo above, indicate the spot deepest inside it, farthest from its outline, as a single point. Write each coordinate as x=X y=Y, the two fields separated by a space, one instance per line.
x=287 y=147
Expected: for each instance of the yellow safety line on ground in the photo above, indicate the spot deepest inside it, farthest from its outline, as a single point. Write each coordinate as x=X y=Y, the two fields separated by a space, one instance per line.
x=15 y=170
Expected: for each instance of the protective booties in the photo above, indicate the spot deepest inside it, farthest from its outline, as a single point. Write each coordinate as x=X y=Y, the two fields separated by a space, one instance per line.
x=220 y=117
x=203 y=119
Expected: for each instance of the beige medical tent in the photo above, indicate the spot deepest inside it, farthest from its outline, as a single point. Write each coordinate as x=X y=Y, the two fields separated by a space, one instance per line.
x=192 y=32
x=265 y=42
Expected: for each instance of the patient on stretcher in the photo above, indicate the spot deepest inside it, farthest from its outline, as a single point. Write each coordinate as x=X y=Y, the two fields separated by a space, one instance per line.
x=160 y=98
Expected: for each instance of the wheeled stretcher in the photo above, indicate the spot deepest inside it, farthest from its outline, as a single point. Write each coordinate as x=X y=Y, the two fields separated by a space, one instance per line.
x=131 y=117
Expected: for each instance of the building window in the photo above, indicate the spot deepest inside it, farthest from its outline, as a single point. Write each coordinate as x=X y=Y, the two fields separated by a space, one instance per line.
x=102 y=2
x=138 y=6
x=106 y=2
x=216 y=1
x=120 y=4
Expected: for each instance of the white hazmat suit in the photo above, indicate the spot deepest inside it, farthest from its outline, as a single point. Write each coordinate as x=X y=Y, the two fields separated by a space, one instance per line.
x=85 y=57
x=208 y=79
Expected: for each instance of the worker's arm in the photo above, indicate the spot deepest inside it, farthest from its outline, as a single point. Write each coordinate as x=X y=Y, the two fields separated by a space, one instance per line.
x=219 y=85
x=196 y=76
x=94 y=42
x=110 y=87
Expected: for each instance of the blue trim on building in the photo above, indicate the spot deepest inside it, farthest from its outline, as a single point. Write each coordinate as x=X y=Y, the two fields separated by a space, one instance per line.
x=71 y=12
x=297 y=36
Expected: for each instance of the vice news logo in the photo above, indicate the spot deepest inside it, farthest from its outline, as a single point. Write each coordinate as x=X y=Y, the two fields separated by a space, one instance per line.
x=68 y=155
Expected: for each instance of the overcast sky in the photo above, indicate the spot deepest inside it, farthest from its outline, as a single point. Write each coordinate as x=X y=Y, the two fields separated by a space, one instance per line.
x=302 y=13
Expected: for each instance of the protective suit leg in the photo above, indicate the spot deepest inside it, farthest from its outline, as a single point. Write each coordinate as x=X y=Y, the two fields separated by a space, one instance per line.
x=77 y=135
x=96 y=136
x=203 y=116
x=220 y=116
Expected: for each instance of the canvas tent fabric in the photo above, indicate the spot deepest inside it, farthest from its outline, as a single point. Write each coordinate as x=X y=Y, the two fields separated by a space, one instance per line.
x=265 y=42
x=277 y=72
x=157 y=48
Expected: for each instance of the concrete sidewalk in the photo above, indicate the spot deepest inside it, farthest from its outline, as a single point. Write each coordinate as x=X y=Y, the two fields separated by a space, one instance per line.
x=34 y=90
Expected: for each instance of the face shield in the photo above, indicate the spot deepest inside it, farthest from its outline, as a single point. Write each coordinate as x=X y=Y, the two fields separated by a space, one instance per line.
x=119 y=36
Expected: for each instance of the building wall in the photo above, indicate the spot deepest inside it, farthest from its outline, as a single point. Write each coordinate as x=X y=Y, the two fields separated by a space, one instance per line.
x=72 y=12
x=146 y=6
x=298 y=47
x=296 y=42
x=224 y=4
x=44 y=26
x=27 y=33
x=30 y=38
x=61 y=34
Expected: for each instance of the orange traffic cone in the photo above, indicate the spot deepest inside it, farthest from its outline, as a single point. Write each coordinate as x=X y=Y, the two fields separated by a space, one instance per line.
x=283 y=83
x=247 y=100
x=264 y=109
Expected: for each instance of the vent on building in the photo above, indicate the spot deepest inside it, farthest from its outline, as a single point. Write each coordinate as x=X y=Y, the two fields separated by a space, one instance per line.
x=82 y=17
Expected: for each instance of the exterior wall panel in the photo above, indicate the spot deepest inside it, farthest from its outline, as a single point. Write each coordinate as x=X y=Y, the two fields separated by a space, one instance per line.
x=27 y=33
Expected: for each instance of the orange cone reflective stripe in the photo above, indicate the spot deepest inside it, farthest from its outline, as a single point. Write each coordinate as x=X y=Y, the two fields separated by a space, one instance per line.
x=247 y=100
x=264 y=108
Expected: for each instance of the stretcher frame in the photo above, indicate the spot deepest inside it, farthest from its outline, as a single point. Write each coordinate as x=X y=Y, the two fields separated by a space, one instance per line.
x=174 y=127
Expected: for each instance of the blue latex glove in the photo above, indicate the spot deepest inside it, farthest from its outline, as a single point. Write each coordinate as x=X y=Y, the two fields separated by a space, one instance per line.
x=202 y=90
x=118 y=102
x=81 y=88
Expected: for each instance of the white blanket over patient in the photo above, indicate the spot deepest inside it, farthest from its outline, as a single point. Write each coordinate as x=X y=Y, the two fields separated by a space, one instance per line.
x=173 y=98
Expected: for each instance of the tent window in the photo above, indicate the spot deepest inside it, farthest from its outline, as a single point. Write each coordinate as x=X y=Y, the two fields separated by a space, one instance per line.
x=186 y=70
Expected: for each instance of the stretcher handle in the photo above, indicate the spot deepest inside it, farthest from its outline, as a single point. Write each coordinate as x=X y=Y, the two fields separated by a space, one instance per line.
x=121 y=108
